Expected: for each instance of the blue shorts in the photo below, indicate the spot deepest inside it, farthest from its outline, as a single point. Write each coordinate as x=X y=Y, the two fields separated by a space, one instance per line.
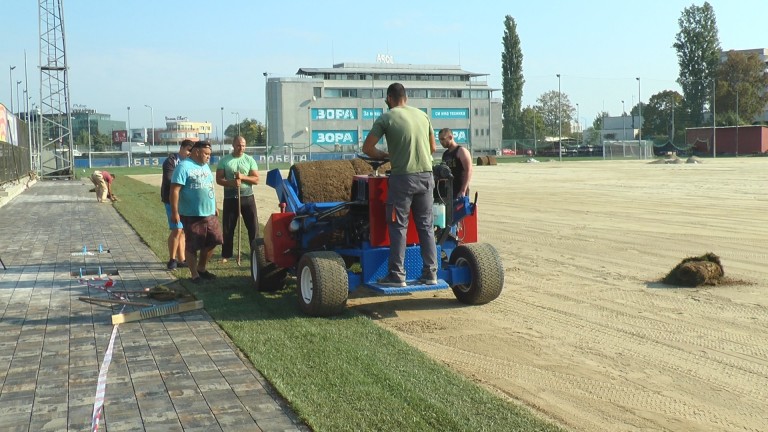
x=172 y=225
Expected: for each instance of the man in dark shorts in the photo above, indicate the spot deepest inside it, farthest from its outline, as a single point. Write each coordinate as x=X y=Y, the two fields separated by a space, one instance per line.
x=193 y=203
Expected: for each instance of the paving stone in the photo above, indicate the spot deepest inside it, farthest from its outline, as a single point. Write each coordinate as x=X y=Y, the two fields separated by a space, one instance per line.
x=174 y=373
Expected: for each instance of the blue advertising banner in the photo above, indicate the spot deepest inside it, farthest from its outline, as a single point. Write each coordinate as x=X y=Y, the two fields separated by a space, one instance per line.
x=365 y=135
x=372 y=113
x=334 y=137
x=459 y=135
x=334 y=113
x=450 y=113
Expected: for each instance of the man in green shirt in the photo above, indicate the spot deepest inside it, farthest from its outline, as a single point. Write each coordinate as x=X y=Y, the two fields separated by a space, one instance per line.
x=237 y=171
x=410 y=144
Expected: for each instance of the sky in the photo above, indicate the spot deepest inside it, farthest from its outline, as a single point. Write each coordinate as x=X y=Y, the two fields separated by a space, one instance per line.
x=191 y=58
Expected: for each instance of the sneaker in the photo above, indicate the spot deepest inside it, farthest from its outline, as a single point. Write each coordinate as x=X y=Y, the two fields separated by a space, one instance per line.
x=392 y=281
x=182 y=264
x=172 y=264
x=206 y=274
x=431 y=280
x=197 y=281
x=224 y=260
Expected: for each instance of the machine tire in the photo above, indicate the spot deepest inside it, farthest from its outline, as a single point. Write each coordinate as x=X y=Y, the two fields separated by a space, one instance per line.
x=322 y=285
x=486 y=272
x=266 y=276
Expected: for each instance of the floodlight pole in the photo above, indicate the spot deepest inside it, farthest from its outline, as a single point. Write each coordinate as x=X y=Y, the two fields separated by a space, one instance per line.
x=559 y=120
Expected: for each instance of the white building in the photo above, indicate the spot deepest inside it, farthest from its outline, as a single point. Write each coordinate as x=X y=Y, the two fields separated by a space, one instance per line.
x=331 y=110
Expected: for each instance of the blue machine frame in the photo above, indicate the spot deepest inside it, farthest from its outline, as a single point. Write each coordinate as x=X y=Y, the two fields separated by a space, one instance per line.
x=310 y=221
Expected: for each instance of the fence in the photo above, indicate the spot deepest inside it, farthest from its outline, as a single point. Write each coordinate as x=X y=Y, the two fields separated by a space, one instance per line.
x=14 y=162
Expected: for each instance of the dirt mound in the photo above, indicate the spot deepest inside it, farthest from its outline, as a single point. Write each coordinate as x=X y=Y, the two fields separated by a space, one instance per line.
x=694 y=160
x=696 y=271
x=324 y=181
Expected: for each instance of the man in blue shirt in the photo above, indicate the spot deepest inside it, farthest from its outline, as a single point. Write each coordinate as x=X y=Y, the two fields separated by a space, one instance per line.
x=193 y=203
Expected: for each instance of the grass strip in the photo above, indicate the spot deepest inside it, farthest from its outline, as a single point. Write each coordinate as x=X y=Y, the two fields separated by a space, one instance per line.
x=339 y=374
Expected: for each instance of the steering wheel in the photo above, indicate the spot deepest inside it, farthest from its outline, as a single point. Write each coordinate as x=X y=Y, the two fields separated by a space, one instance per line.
x=374 y=163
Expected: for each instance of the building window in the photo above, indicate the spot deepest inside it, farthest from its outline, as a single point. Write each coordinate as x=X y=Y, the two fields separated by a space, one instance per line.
x=316 y=92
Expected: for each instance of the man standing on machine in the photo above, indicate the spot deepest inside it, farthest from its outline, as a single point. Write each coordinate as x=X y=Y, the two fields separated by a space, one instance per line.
x=458 y=159
x=410 y=144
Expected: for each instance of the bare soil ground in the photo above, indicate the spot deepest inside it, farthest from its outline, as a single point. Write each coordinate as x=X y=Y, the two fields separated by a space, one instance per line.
x=583 y=332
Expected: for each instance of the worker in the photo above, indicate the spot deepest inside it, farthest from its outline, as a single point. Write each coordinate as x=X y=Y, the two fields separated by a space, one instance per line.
x=176 y=244
x=410 y=145
x=238 y=172
x=193 y=203
x=103 y=182
x=458 y=160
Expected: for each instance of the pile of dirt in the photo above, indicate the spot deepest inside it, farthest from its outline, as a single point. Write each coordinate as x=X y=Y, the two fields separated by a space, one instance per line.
x=696 y=271
x=362 y=167
x=486 y=160
x=324 y=181
x=694 y=160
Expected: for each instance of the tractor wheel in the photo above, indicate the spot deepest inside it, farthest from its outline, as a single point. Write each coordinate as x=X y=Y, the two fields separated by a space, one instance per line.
x=266 y=276
x=322 y=284
x=486 y=273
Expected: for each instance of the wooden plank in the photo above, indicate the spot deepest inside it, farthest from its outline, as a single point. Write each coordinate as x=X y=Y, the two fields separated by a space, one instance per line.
x=157 y=311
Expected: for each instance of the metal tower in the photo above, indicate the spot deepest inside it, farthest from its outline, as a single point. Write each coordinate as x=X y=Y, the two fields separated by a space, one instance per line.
x=55 y=157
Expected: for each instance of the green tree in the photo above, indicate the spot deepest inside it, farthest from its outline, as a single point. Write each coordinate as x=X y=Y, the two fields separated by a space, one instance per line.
x=662 y=109
x=99 y=142
x=531 y=124
x=698 y=55
x=597 y=123
x=547 y=107
x=512 y=73
x=741 y=83
x=252 y=130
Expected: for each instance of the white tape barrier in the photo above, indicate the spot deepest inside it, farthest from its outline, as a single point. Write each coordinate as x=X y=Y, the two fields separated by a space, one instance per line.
x=101 y=386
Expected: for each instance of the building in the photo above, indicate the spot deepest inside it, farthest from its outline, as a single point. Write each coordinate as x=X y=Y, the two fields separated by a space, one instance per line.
x=728 y=140
x=325 y=111
x=84 y=118
x=177 y=129
x=621 y=128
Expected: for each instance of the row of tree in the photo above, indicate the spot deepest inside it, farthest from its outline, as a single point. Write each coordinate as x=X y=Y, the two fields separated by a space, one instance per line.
x=732 y=85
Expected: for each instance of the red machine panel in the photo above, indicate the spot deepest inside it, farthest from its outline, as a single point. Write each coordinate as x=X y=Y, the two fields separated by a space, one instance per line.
x=377 y=198
x=466 y=230
x=277 y=240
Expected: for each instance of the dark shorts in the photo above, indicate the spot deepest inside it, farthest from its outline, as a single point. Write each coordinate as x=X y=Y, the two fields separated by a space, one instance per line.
x=201 y=232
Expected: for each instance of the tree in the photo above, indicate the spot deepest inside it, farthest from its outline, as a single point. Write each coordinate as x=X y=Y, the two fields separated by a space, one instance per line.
x=531 y=124
x=698 y=54
x=99 y=142
x=250 y=129
x=547 y=107
x=512 y=73
x=662 y=109
x=741 y=81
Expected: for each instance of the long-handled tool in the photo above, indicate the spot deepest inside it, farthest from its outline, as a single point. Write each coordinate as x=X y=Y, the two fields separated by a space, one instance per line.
x=239 y=222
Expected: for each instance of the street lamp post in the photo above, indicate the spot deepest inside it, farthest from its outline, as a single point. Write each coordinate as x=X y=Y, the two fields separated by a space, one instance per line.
x=128 y=134
x=237 y=121
x=10 y=80
x=266 y=117
x=152 y=122
x=737 y=122
x=639 y=119
x=18 y=105
x=559 y=120
x=578 y=126
x=714 y=124
x=89 y=140
x=221 y=142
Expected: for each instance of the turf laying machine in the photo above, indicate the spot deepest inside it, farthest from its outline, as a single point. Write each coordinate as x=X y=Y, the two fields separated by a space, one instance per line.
x=331 y=233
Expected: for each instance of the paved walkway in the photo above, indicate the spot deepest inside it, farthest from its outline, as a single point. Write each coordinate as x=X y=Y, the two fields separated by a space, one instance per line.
x=174 y=373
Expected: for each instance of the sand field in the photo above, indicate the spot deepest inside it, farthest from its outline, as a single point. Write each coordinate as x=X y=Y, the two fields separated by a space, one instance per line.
x=583 y=332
